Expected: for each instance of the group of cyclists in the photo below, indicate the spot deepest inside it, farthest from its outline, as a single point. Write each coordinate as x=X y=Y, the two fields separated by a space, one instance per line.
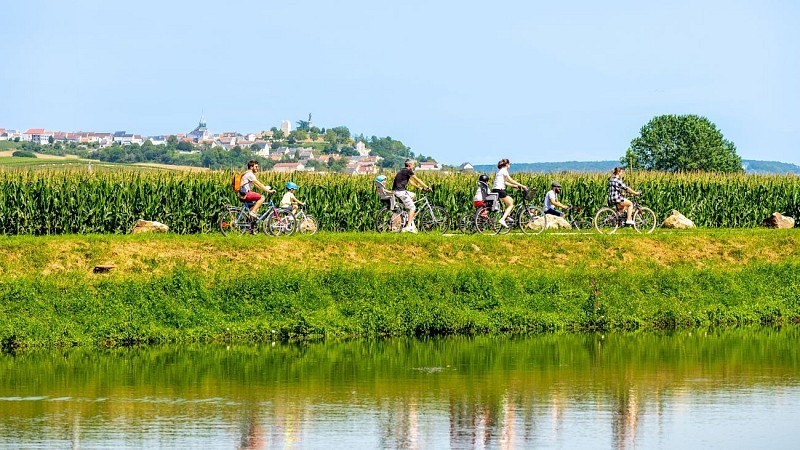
x=406 y=176
x=247 y=195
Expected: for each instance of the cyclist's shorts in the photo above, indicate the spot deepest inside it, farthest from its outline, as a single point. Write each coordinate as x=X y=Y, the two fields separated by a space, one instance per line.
x=251 y=197
x=501 y=193
x=407 y=198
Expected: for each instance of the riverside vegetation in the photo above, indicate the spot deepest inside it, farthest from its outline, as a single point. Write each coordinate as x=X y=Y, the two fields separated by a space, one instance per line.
x=173 y=288
x=76 y=201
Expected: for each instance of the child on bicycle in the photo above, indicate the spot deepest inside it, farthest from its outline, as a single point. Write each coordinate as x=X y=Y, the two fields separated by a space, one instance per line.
x=481 y=192
x=479 y=199
x=289 y=201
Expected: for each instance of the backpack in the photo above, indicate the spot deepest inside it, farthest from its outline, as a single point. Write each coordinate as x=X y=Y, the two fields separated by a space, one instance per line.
x=237 y=182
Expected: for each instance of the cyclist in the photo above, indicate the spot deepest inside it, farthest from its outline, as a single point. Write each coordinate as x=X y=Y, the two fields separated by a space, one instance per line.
x=246 y=193
x=483 y=189
x=289 y=201
x=401 y=181
x=616 y=191
x=501 y=179
x=551 y=200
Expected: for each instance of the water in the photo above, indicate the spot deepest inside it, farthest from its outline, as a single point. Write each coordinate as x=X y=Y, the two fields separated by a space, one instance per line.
x=725 y=389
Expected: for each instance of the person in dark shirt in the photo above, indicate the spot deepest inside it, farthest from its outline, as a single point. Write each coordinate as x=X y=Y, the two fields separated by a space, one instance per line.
x=403 y=178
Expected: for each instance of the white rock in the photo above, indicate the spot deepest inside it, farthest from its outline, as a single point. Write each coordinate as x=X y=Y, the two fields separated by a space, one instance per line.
x=149 y=226
x=678 y=221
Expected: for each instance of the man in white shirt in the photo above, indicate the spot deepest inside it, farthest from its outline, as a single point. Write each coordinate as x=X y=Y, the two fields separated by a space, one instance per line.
x=551 y=200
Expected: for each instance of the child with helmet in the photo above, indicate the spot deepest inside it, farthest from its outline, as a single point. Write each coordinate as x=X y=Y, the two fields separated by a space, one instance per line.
x=289 y=200
x=483 y=190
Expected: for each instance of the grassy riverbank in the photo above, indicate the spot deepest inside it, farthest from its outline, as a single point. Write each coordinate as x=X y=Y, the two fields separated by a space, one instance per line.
x=207 y=288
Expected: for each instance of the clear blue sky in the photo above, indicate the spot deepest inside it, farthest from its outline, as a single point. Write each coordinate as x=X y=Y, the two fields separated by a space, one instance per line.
x=532 y=81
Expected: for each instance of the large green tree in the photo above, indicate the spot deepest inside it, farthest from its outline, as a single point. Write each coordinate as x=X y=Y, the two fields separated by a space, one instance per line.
x=682 y=143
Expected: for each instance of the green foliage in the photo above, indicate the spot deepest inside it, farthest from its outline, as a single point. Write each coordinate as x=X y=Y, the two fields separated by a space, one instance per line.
x=186 y=306
x=682 y=143
x=75 y=201
x=23 y=154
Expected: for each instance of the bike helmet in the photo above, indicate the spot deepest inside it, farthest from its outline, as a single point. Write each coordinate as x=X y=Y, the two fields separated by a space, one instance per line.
x=380 y=178
x=291 y=185
x=484 y=178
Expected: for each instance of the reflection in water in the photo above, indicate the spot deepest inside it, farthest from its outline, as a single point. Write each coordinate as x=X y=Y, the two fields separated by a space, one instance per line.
x=620 y=391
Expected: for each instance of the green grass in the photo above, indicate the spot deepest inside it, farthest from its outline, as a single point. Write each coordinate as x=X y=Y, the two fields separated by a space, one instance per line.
x=9 y=145
x=330 y=286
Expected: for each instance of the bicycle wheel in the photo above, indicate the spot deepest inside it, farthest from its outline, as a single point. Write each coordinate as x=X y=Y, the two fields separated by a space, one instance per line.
x=486 y=221
x=531 y=220
x=605 y=221
x=229 y=223
x=307 y=225
x=644 y=220
x=280 y=222
x=467 y=223
x=434 y=218
x=388 y=220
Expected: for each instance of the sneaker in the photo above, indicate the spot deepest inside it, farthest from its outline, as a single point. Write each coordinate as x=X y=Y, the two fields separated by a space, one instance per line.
x=405 y=230
x=503 y=223
x=629 y=222
x=253 y=215
x=413 y=228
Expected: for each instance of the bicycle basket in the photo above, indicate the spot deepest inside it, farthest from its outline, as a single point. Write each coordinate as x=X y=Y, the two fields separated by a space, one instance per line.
x=528 y=195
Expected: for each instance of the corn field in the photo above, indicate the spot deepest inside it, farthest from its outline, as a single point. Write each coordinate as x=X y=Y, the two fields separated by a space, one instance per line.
x=74 y=201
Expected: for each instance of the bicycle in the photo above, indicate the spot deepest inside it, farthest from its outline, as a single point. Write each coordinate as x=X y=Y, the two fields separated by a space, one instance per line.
x=607 y=219
x=306 y=224
x=237 y=220
x=466 y=223
x=393 y=217
x=529 y=218
x=575 y=220
x=431 y=217
x=390 y=218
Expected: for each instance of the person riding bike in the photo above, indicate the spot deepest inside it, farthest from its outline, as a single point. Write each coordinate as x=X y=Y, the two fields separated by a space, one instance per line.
x=501 y=179
x=401 y=180
x=616 y=197
x=551 y=200
x=289 y=201
x=246 y=193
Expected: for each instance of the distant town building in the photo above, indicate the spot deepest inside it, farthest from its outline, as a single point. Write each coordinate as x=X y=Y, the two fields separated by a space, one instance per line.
x=288 y=167
x=286 y=127
x=429 y=166
x=123 y=138
x=37 y=136
x=200 y=133
x=466 y=167
x=362 y=149
x=158 y=140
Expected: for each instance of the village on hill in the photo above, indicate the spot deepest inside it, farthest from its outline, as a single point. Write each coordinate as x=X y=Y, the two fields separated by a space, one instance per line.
x=305 y=148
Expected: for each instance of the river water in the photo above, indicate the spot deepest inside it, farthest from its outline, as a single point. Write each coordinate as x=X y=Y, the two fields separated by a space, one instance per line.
x=701 y=389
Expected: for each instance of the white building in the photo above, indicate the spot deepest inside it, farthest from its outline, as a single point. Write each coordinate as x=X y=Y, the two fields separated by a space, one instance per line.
x=286 y=127
x=362 y=149
x=37 y=136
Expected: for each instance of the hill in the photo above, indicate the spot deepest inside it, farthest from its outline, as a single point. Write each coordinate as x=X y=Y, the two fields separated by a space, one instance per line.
x=750 y=166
